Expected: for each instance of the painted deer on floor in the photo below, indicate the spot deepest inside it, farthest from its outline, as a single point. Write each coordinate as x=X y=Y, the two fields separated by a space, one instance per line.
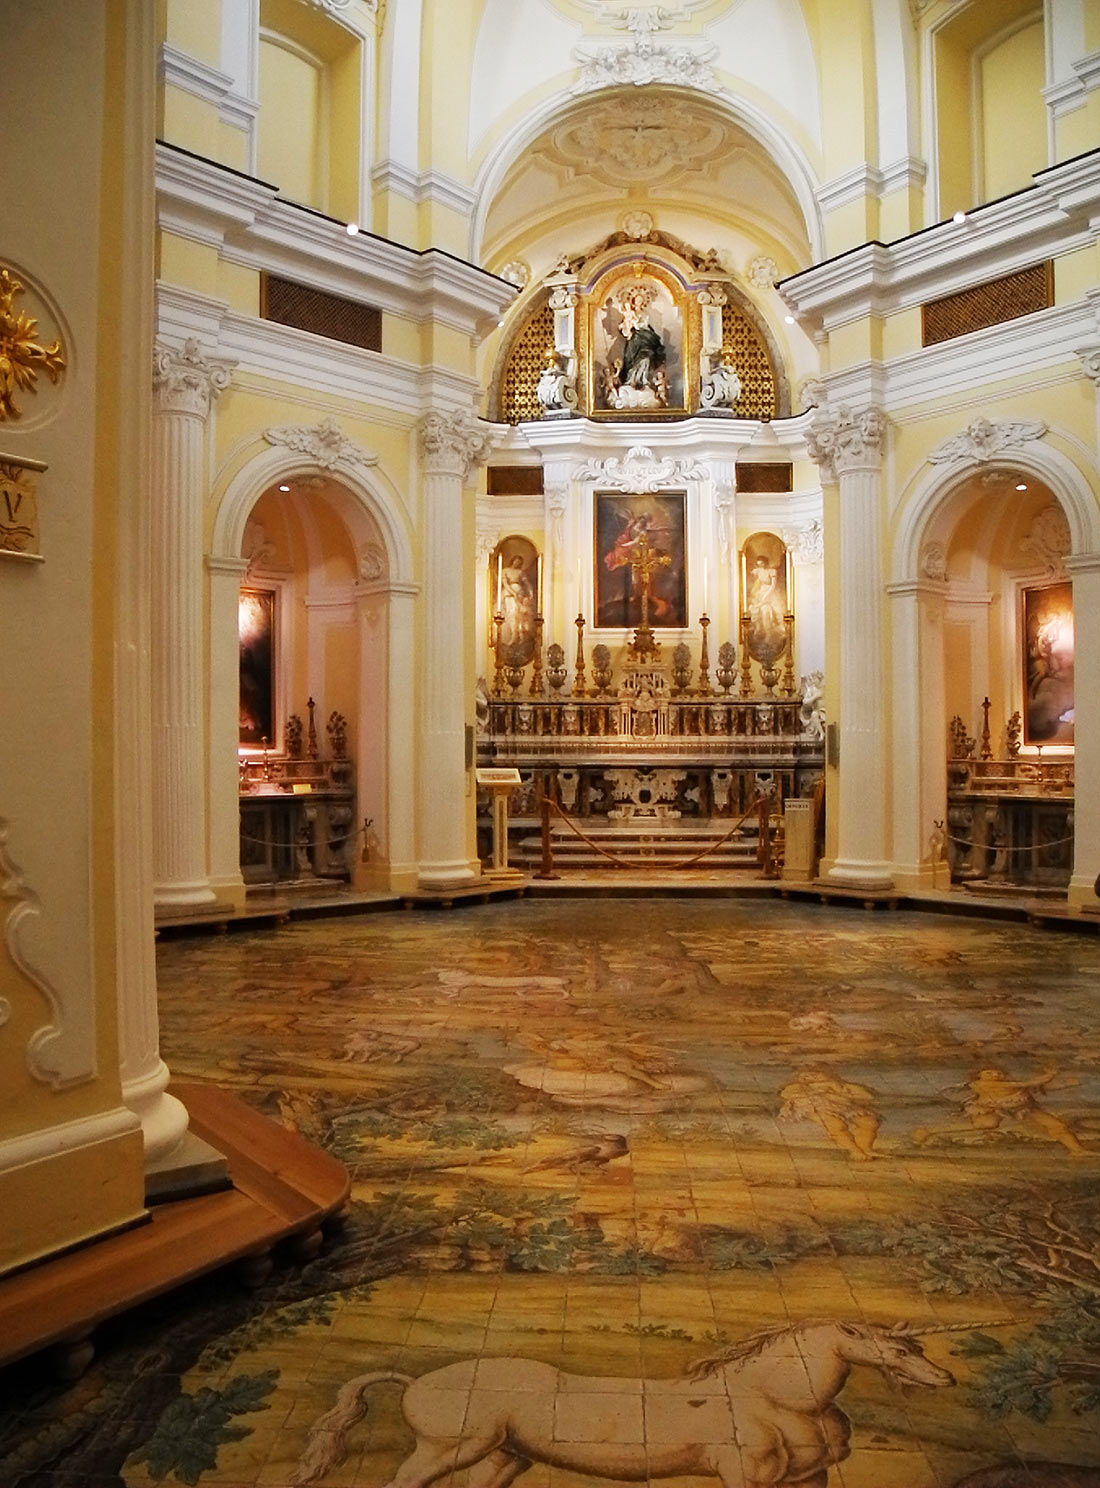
x=760 y=1414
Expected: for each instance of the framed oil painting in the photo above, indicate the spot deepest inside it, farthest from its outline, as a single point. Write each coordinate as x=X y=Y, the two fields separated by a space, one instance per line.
x=636 y=340
x=1048 y=664
x=621 y=522
x=256 y=632
x=515 y=576
x=764 y=596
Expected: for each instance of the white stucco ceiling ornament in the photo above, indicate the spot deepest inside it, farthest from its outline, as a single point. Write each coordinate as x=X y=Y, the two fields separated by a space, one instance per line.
x=763 y=271
x=517 y=272
x=637 y=140
x=640 y=471
x=986 y=439
x=637 y=225
x=1048 y=539
x=643 y=60
x=325 y=443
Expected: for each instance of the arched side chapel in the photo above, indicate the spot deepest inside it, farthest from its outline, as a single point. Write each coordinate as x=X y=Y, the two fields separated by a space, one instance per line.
x=341 y=289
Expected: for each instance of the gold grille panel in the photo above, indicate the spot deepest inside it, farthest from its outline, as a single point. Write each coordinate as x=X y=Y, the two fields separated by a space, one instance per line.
x=744 y=346
x=988 y=304
x=525 y=363
x=321 y=313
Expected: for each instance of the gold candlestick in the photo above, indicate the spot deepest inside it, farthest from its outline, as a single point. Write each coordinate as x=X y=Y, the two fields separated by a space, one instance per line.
x=498 y=675
x=704 y=660
x=788 y=666
x=535 y=690
x=578 y=675
x=746 y=660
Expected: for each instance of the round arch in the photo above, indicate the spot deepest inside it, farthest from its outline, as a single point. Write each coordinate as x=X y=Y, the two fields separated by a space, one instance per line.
x=376 y=497
x=930 y=492
x=787 y=155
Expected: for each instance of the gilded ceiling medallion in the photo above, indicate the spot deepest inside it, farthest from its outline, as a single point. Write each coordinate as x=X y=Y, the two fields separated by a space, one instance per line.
x=21 y=355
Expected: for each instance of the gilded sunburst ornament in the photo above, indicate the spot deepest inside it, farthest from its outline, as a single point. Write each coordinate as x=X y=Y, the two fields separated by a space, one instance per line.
x=21 y=355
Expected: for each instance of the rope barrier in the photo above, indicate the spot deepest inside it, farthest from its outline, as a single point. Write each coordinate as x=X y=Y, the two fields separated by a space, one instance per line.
x=621 y=862
x=307 y=841
x=968 y=842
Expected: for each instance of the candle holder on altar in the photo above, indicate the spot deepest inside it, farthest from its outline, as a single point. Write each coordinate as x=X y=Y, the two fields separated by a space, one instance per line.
x=578 y=672
x=788 y=665
x=726 y=671
x=746 y=660
x=704 y=660
x=498 y=655
x=535 y=690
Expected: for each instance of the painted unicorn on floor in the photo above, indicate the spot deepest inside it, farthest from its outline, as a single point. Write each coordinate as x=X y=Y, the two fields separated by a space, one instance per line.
x=759 y=1414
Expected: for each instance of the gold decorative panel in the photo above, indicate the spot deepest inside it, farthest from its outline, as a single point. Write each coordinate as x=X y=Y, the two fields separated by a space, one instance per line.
x=743 y=345
x=988 y=304
x=320 y=313
x=525 y=362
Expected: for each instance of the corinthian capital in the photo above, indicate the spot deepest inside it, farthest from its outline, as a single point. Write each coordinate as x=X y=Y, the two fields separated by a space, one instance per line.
x=185 y=381
x=841 y=441
x=451 y=443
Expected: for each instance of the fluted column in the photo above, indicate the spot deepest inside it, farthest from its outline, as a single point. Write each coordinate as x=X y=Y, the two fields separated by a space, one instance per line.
x=1084 y=570
x=848 y=447
x=185 y=383
x=919 y=786
x=449 y=447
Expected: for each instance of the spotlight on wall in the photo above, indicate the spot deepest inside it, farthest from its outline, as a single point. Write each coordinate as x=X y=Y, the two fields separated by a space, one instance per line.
x=958 y=216
x=351 y=229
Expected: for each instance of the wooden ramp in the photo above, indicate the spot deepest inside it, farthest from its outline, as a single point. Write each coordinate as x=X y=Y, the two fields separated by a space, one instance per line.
x=282 y=1189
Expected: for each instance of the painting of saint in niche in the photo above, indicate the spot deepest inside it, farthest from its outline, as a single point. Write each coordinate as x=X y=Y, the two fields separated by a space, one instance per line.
x=516 y=575
x=764 y=597
x=1048 y=665
x=637 y=350
x=621 y=523
x=256 y=629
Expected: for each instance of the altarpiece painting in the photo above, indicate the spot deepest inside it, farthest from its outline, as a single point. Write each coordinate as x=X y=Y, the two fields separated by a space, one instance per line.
x=516 y=577
x=1048 y=664
x=256 y=629
x=621 y=523
x=637 y=348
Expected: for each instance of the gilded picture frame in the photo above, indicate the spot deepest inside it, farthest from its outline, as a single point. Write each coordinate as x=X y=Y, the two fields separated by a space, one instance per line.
x=257 y=613
x=620 y=520
x=639 y=341
x=1048 y=660
x=515 y=588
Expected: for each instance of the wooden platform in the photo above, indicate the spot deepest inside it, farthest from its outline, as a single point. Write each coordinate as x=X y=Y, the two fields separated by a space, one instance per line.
x=283 y=1190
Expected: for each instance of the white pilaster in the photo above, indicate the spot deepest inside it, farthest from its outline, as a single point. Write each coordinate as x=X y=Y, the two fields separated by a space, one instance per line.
x=919 y=781
x=185 y=383
x=449 y=447
x=1084 y=569
x=848 y=448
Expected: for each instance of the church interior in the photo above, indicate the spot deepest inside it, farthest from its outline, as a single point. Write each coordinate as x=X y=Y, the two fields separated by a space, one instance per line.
x=550 y=884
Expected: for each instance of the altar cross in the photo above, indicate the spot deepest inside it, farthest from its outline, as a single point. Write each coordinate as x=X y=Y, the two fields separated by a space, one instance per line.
x=644 y=563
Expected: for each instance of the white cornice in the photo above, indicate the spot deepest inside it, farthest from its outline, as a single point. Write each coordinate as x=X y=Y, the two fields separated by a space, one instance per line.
x=249 y=224
x=282 y=355
x=427 y=186
x=192 y=76
x=1059 y=213
x=869 y=180
x=577 y=440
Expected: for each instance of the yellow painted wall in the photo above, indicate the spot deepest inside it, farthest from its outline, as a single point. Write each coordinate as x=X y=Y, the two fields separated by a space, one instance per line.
x=290 y=127
x=1012 y=117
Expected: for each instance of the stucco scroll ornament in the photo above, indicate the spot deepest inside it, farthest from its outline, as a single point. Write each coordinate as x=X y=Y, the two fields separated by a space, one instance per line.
x=556 y=389
x=642 y=61
x=806 y=541
x=811 y=711
x=841 y=441
x=185 y=380
x=986 y=439
x=372 y=562
x=325 y=443
x=1090 y=362
x=721 y=386
x=1049 y=539
x=763 y=271
x=43 y=1061
x=640 y=471
x=21 y=355
x=933 y=562
x=452 y=443
x=725 y=503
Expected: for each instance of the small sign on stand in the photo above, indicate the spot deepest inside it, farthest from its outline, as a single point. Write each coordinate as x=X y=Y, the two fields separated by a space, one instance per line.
x=500 y=783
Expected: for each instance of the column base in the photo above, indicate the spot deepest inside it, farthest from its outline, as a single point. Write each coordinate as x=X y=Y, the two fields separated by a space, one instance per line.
x=163 y=1118
x=1081 y=894
x=852 y=874
x=448 y=875
x=183 y=895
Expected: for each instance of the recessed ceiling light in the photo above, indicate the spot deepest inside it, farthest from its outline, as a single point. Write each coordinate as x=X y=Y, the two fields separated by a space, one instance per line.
x=789 y=319
x=284 y=488
x=958 y=216
x=1022 y=486
x=352 y=229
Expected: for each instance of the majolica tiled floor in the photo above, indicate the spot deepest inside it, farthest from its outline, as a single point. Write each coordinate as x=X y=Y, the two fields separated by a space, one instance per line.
x=642 y=1190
